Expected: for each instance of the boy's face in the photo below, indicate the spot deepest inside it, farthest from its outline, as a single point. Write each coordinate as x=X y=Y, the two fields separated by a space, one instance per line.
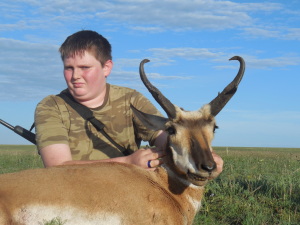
x=85 y=76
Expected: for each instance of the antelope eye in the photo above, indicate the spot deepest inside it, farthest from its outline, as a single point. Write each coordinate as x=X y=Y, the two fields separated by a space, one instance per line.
x=171 y=130
x=215 y=127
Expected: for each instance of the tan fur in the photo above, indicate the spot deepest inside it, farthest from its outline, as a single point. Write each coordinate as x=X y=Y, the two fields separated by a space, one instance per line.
x=134 y=194
x=116 y=193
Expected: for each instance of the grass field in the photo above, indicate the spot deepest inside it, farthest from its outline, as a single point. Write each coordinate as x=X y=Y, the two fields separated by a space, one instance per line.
x=258 y=186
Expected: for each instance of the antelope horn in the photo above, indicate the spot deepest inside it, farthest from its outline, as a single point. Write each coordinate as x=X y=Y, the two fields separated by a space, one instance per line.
x=157 y=95
x=221 y=100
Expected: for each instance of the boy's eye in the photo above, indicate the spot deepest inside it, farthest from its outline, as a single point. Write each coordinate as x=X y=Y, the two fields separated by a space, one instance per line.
x=68 y=68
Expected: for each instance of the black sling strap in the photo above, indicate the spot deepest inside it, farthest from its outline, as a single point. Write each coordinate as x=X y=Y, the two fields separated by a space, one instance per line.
x=87 y=114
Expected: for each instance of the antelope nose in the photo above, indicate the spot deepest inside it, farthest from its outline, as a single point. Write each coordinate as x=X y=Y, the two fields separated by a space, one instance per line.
x=209 y=168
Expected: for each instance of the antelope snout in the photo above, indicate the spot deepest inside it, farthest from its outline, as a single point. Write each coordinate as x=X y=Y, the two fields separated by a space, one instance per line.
x=208 y=167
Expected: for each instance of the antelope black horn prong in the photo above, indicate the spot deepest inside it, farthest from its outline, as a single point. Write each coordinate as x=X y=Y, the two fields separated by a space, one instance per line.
x=157 y=95
x=221 y=100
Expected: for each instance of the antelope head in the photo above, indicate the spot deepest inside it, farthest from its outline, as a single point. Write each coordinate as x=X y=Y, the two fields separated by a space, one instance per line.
x=190 y=132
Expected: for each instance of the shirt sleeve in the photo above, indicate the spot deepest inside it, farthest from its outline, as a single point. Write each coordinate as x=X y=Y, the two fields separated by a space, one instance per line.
x=49 y=125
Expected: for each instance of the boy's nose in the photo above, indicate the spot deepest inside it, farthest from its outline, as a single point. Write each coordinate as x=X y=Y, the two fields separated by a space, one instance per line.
x=76 y=74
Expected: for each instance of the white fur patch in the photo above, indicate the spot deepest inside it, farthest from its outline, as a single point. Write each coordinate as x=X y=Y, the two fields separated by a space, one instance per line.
x=183 y=160
x=203 y=113
x=195 y=203
x=39 y=214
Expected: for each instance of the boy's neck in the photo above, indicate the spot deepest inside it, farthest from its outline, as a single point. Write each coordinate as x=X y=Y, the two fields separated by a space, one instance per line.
x=97 y=101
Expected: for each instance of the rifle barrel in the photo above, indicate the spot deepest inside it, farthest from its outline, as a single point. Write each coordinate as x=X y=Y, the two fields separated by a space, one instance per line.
x=6 y=124
x=28 y=135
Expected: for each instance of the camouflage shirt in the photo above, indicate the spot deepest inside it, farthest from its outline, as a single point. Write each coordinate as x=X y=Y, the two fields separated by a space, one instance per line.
x=58 y=123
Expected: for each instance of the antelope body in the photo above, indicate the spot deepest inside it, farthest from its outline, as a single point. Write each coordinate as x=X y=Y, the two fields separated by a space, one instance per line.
x=118 y=193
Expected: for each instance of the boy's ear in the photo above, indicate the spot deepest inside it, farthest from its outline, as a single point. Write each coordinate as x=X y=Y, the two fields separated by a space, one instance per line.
x=107 y=67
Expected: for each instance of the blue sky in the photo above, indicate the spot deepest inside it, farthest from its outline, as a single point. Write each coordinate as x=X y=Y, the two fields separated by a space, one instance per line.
x=189 y=44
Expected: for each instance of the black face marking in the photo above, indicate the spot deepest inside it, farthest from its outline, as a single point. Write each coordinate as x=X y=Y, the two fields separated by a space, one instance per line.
x=215 y=127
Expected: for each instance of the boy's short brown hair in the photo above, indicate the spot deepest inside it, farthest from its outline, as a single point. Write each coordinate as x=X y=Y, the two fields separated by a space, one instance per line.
x=86 y=40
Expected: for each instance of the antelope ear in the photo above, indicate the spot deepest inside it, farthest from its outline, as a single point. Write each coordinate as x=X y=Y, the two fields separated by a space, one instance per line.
x=152 y=122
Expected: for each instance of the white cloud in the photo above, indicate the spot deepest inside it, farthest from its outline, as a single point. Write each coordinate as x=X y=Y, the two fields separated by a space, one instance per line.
x=260 y=32
x=292 y=34
x=147 y=29
x=148 y=16
x=275 y=32
x=272 y=63
x=180 y=15
x=28 y=70
x=187 y=53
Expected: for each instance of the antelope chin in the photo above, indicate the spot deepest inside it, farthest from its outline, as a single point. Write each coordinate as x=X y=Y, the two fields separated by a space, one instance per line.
x=196 y=179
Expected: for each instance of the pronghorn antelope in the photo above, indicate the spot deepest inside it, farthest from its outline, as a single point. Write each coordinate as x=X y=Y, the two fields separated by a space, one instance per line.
x=118 y=193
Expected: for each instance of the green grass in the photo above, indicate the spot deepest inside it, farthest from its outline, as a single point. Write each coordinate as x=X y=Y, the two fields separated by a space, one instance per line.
x=259 y=186
x=55 y=221
x=14 y=158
